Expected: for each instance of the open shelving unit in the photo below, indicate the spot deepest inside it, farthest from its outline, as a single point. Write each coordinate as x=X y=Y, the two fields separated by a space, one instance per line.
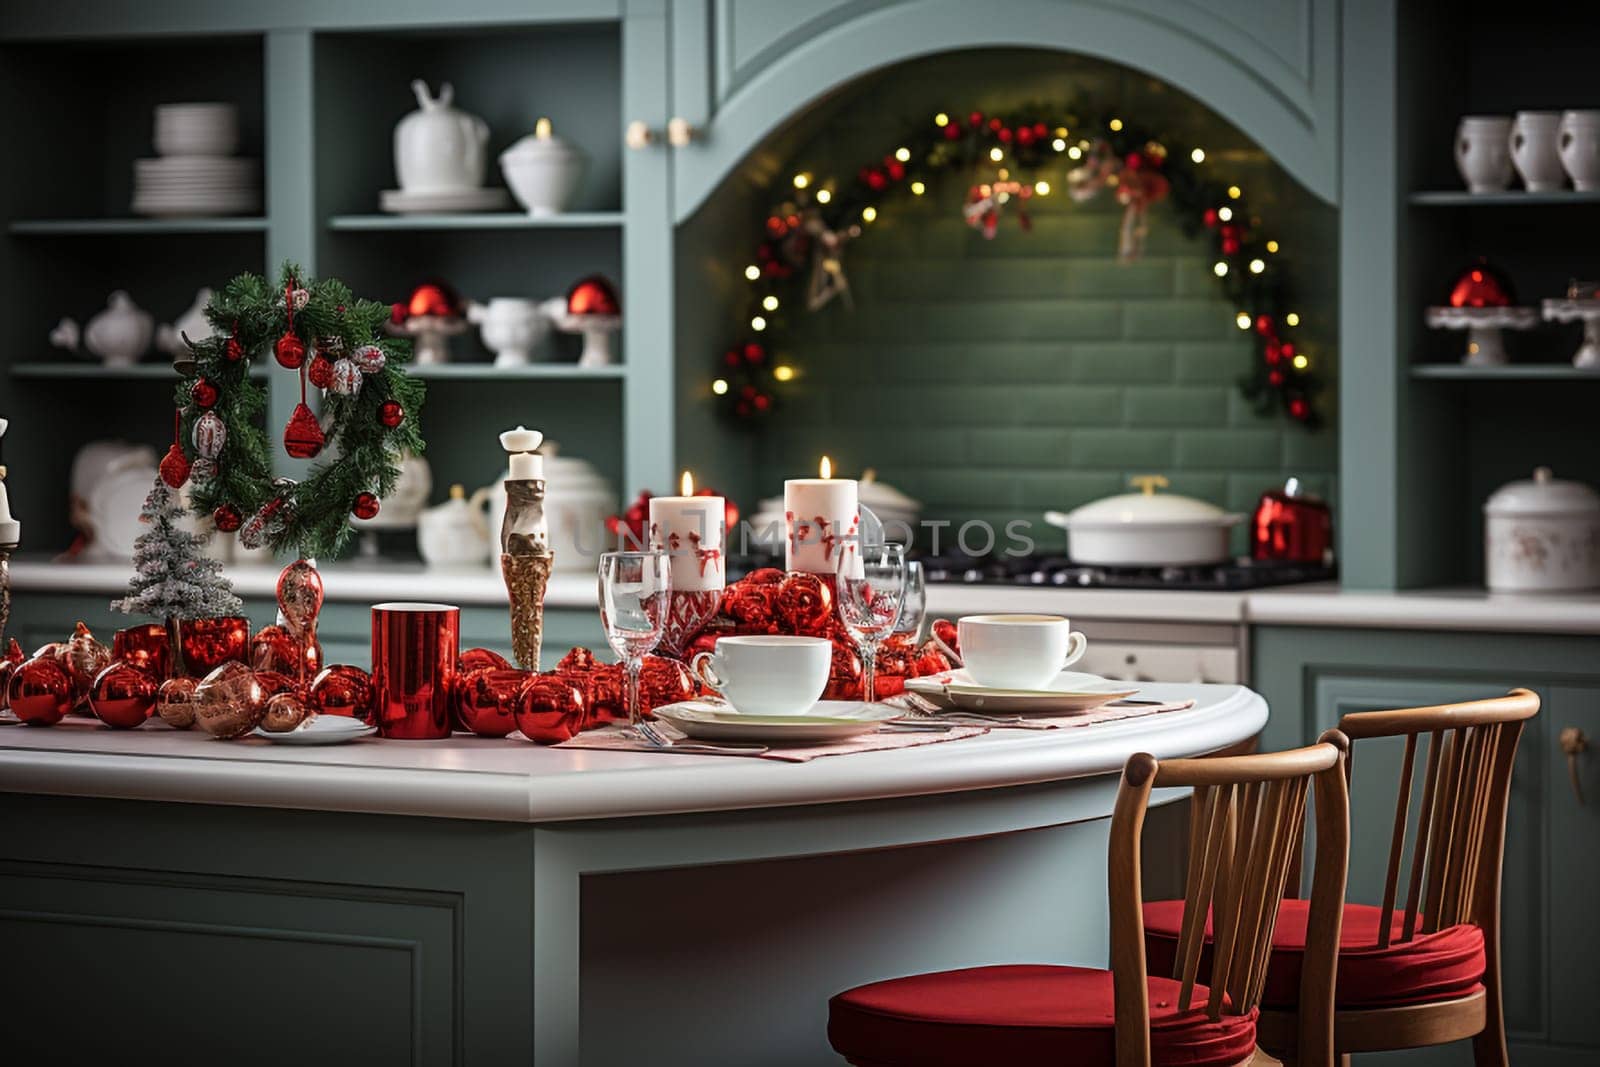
x=1510 y=372
x=318 y=111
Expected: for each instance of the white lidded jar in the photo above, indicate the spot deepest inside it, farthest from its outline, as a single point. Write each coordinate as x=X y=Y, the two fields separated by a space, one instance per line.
x=1542 y=535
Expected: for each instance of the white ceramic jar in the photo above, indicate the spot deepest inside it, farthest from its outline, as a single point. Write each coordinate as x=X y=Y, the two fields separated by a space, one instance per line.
x=1579 y=144
x=438 y=148
x=543 y=171
x=121 y=333
x=1535 y=152
x=1483 y=152
x=1542 y=535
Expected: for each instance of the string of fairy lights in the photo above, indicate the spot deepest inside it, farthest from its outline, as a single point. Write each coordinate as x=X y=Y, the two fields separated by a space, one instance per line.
x=1015 y=160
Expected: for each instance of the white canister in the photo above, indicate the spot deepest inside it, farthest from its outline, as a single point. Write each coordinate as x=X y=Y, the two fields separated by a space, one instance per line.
x=1542 y=535
x=439 y=148
x=1535 y=151
x=1483 y=152
x=1579 y=145
x=543 y=171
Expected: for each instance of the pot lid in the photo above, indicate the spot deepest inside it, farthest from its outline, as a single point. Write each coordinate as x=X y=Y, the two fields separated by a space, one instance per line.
x=1543 y=494
x=540 y=144
x=881 y=496
x=1147 y=506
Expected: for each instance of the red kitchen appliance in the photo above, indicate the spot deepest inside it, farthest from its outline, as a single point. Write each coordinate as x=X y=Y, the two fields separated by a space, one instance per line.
x=1291 y=525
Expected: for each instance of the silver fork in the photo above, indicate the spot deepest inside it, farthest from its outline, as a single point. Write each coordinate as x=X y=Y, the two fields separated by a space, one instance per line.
x=653 y=735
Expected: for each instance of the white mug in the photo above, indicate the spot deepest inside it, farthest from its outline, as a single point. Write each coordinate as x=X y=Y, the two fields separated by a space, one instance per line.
x=1018 y=651
x=1483 y=152
x=767 y=675
x=1579 y=145
x=1534 y=150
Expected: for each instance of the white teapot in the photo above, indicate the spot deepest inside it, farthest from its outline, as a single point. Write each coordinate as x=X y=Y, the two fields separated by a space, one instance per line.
x=454 y=536
x=119 y=335
x=511 y=327
x=439 y=149
x=192 y=324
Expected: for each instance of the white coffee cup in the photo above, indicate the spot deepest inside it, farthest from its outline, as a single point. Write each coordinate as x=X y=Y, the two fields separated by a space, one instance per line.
x=1534 y=150
x=767 y=675
x=1018 y=651
x=1579 y=145
x=1483 y=152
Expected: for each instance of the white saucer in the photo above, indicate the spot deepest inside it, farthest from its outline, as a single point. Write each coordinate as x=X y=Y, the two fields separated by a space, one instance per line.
x=401 y=202
x=827 y=720
x=320 y=730
x=1067 y=692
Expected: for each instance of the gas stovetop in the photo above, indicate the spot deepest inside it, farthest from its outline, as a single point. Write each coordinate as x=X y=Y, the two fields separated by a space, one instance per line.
x=1060 y=571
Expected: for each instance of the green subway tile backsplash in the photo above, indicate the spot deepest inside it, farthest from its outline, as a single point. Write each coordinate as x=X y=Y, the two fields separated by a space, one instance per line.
x=995 y=379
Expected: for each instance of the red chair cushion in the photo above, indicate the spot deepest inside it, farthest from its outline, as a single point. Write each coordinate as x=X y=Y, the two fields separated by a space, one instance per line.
x=1021 y=1014
x=1442 y=965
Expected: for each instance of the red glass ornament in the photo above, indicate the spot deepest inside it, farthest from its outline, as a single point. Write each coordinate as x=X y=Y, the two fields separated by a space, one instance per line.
x=299 y=595
x=805 y=605
x=41 y=692
x=175 y=466
x=550 y=710
x=122 y=696
x=285 y=711
x=1482 y=286
x=229 y=701
x=366 y=506
x=83 y=657
x=930 y=659
x=274 y=648
x=206 y=644
x=210 y=435
x=320 y=372
x=302 y=435
x=204 y=394
x=664 y=681
x=275 y=682
x=844 y=675
x=226 y=518
x=593 y=295
x=145 y=647
x=486 y=700
x=431 y=298
x=290 y=351
x=342 y=689
x=948 y=635
x=751 y=606
x=233 y=351
x=391 y=414
x=175 y=702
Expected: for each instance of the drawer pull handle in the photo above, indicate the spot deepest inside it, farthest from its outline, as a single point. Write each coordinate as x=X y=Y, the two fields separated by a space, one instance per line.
x=639 y=135
x=1574 y=744
x=679 y=132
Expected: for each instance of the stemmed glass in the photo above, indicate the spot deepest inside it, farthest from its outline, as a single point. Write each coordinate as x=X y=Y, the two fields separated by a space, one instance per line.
x=914 y=608
x=635 y=593
x=870 y=603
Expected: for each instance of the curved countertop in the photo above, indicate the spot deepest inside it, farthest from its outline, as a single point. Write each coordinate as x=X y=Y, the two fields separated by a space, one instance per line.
x=510 y=780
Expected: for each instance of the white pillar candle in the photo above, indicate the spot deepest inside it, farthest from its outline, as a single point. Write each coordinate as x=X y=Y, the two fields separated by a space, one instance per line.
x=822 y=520
x=10 y=529
x=691 y=530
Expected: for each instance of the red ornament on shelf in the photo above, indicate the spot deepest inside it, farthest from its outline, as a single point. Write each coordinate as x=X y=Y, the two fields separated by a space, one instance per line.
x=550 y=710
x=226 y=518
x=430 y=298
x=122 y=696
x=206 y=644
x=320 y=372
x=146 y=647
x=1482 y=286
x=343 y=689
x=290 y=351
x=366 y=506
x=593 y=295
x=41 y=692
x=204 y=394
x=476 y=659
x=391 y=414
x=302 y=435
x=486 y=700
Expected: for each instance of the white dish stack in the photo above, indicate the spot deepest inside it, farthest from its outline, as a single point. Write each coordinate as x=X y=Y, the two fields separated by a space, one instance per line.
x=196 y=172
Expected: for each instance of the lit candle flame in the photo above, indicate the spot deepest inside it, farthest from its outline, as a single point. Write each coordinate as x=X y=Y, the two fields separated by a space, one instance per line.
x=541 y=129
x=686 y=484
x=825 y=468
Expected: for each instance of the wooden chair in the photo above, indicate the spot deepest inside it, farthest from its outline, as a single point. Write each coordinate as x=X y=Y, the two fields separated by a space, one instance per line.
x=1423 y=968
x=1247 y=829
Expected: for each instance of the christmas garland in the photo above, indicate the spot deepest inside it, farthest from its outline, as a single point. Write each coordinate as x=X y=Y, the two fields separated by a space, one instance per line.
x=369 y=413
x=805 y=235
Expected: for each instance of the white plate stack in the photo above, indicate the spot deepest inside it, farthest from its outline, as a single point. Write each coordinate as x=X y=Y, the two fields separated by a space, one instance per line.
x=196 y=172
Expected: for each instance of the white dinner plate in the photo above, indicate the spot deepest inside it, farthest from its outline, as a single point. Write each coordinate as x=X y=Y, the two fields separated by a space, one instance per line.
x=320 y=730
x=401 y=202
x=827 y=720
x=1067 y=692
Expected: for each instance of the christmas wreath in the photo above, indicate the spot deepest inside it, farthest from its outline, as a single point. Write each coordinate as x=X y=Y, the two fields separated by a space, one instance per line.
x=799 y=257
x=323 y=333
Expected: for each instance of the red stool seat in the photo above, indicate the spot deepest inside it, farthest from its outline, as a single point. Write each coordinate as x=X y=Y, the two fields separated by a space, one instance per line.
x=1443 y=965
x=1022 y=1014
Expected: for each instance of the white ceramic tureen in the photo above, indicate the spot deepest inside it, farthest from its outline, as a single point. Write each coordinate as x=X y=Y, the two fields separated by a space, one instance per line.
x=1542 y=535
x=1146 y=529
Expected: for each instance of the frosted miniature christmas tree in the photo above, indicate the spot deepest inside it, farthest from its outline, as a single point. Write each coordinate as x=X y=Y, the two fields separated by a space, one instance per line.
x=172 y=579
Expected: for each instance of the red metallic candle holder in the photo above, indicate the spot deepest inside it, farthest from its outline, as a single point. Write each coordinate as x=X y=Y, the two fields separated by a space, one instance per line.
x=206 y=644
x=414 y=668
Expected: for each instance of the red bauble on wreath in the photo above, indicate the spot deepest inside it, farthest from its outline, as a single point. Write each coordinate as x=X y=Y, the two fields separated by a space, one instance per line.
x=302 y=436
x=366 y=506
x=226 y=518
x=391 y=414
x=290 y=351
x=204 y=394
x=320 y=373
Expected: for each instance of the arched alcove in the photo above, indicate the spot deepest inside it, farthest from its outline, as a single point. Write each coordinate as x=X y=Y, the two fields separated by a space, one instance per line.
x=996 y=379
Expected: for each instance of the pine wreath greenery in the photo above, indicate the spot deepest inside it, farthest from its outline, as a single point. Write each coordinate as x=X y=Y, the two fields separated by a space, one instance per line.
x=249 y=318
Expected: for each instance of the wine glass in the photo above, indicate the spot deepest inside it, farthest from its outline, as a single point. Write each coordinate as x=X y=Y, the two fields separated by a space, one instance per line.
x=915 y=606
x=635 y=589
x=870 y=603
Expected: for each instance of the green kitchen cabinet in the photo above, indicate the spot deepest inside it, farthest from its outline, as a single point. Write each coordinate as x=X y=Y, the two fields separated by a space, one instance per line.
x=1312 y=676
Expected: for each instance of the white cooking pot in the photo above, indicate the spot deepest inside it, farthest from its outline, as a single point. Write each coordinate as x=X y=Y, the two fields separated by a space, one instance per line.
x=1542 y=535
x=1146 y=529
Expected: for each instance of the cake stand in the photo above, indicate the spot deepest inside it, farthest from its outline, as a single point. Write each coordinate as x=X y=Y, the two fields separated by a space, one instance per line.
x=1485 y=344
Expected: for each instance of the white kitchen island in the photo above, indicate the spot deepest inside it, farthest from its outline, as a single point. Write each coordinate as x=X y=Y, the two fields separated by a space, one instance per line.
x=495 y=901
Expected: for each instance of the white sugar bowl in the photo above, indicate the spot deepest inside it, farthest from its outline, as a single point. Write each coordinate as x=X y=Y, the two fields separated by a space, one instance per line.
x=511 y=327
x=1542 y=535
x=121 y=333
x=454 y=536
x=543 y=171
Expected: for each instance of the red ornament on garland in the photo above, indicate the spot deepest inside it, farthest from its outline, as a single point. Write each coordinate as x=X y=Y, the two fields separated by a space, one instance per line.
x=302 y=436
x=204 y=394
x=234 y=351
x=175 y=465
x=366 y=506
x=226 y=518
x=320 y=372
x=391 y=414
x=290 y=351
